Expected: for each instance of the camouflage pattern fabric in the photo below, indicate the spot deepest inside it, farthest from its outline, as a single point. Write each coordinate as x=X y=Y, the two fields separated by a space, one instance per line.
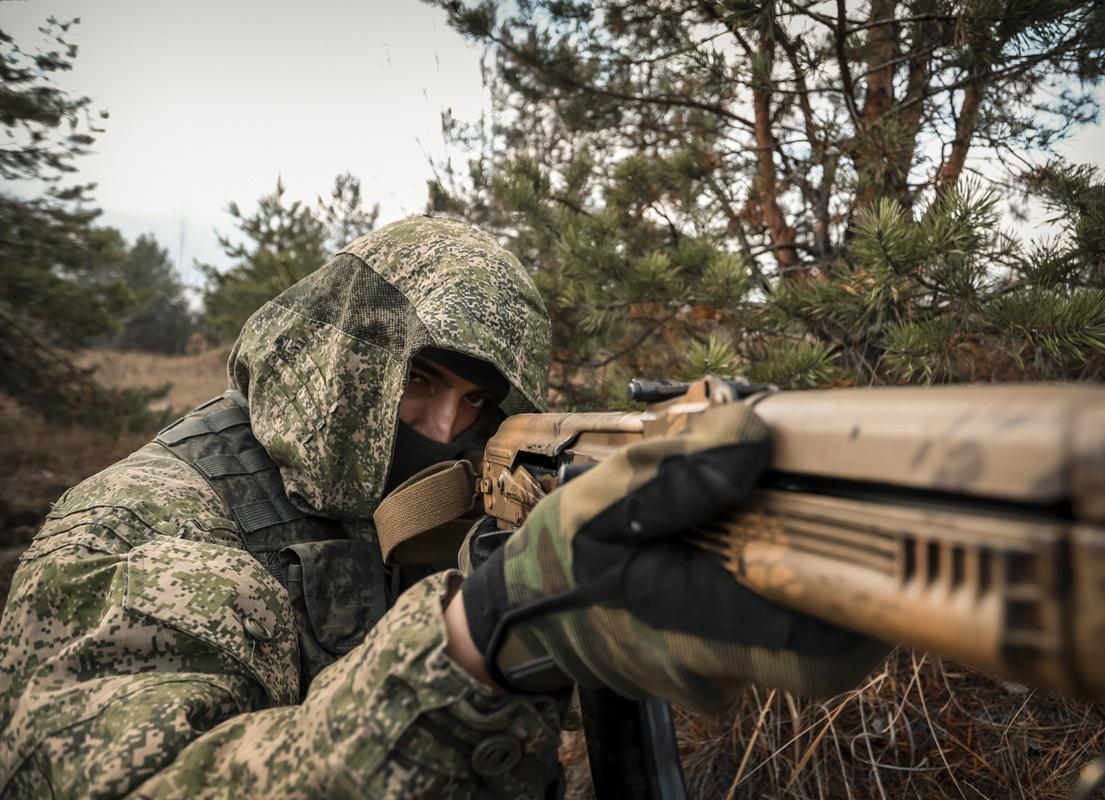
x=601 y=579
x=145 y=653
x=324 y=364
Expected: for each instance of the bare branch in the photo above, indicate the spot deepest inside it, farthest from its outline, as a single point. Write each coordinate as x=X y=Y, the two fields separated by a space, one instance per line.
x=965 y=124
x=674 y=101
x=839 y=37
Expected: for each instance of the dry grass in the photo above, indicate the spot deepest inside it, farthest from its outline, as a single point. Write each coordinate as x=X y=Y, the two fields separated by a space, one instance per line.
x=41 y=460
x=193 y=378
x=919 y=728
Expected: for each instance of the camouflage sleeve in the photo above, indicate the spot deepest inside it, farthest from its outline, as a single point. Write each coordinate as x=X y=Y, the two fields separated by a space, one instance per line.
x=395 y=718
x=167 y=669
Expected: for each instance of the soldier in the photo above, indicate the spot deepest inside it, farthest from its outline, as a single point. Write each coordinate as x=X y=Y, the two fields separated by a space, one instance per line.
x=192 y=620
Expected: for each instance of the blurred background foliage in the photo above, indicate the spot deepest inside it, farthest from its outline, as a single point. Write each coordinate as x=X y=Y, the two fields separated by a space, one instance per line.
x=65 y=283
x=800 y=193
x=68 y=283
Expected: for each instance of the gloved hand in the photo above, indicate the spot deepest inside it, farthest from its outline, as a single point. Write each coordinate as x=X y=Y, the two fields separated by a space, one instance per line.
x=599 y=587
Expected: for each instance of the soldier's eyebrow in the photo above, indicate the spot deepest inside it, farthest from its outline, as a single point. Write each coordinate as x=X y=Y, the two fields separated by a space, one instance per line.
x=443 y=375
x=427 y=366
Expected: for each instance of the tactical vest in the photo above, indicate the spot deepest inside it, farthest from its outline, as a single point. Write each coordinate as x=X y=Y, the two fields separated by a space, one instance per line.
x=338 y=586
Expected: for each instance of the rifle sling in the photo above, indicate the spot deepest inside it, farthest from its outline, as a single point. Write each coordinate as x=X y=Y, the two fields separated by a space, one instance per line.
x=421 y=521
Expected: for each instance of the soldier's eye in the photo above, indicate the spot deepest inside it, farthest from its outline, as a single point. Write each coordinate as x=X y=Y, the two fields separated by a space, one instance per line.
x=475 y=399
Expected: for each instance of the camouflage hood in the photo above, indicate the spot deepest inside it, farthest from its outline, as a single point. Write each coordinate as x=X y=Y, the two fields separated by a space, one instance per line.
x=324 y=363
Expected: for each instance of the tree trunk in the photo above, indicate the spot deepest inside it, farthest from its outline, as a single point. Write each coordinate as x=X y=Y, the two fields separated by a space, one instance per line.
x=765 y=186
x=965 y=124
x=882 y=53
x=873 y=163
x=910 y=112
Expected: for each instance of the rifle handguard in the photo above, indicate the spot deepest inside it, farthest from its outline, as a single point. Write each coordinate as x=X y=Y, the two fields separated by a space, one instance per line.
x=965 y=520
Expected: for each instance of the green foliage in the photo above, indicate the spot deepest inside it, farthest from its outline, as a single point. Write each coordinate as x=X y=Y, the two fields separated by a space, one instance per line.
x=284 y=242
x=1075 y=193
x=713 y=357
x=725 y=279
x=795 y=365
x=57 y=271
x=45 y=127
x=163 y=322
x=280 y=242
x=1050 y=334
x=146 y=269
x=56 y=262
x=344 y=215
x=947 y=297
x=65 y=282
x=921 y=352
x=774 y=191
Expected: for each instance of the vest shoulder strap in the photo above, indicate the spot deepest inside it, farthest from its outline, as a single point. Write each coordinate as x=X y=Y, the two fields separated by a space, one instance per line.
x=217 y=441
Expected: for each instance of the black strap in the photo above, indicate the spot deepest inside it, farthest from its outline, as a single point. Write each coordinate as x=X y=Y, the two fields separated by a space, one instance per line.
x=215 y=422
x=250 y=462
x=265 y=513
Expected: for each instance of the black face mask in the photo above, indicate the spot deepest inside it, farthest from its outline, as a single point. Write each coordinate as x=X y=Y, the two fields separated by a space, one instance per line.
x=414 y=452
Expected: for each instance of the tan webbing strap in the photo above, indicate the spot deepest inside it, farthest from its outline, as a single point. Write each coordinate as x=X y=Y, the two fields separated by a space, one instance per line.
x=418 y=522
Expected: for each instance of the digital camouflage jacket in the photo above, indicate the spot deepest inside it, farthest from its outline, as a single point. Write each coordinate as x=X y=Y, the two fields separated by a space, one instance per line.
x=145 y=653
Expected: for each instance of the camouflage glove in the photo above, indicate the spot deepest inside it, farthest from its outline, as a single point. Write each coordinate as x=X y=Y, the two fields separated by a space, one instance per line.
x=598 y=586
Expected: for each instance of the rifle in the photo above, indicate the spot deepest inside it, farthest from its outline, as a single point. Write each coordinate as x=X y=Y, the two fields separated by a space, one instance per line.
x=968 y=521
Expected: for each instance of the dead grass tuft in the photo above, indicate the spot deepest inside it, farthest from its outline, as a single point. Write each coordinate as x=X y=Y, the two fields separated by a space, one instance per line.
x=919 y=728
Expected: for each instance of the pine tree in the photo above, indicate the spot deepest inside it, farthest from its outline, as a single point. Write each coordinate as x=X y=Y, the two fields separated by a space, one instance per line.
x=162 y=322
x=284 y=241
x=344 y=214
x=52 y=254
x=57 y=285
x=784 y=183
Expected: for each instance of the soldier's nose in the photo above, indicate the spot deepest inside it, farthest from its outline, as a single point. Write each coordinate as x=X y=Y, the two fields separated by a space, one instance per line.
x=439 y=422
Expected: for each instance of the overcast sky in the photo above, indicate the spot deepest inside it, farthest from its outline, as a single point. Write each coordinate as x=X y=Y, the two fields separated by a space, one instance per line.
x=210 y=100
